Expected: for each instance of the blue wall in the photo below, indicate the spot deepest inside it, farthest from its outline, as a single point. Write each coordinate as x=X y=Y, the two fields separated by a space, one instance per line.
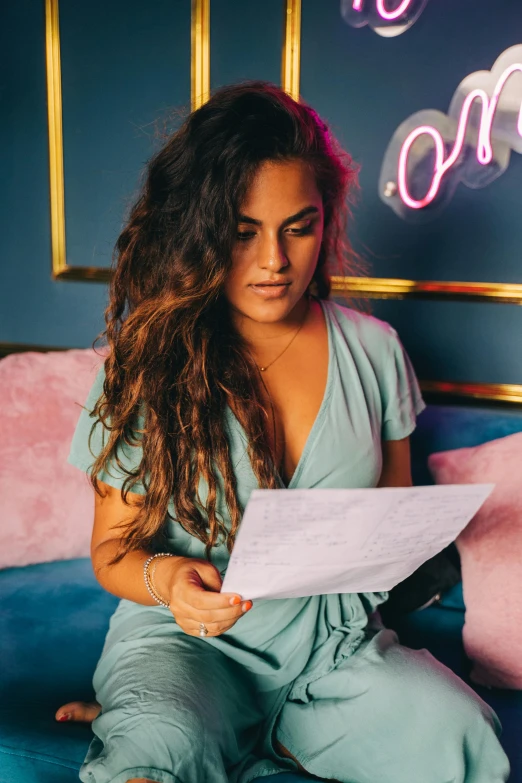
x=126 y=77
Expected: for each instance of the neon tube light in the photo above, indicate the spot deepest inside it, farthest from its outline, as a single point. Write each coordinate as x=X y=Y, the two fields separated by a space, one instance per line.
x=389 y=16
x=484 y=147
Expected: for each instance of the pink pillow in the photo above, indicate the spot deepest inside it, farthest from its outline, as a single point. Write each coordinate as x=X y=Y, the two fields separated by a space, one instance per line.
x=46 y=505
x=491 y=552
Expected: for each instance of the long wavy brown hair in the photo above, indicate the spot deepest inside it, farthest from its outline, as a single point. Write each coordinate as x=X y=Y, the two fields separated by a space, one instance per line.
x=175 y=361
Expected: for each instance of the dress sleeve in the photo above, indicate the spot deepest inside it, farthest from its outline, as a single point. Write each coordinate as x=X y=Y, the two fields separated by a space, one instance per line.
x=82 y=456
x=401 y=395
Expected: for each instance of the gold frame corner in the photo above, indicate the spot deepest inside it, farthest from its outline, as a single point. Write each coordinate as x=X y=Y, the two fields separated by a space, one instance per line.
x=61 y=269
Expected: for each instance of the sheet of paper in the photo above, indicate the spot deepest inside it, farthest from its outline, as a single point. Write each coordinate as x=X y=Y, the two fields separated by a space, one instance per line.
x=301 y=542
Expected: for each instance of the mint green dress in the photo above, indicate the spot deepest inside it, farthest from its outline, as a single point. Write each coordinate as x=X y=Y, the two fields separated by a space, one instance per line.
x=319 y=673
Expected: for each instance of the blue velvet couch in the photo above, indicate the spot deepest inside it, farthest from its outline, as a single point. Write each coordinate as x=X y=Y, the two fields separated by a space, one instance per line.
x=53 y=618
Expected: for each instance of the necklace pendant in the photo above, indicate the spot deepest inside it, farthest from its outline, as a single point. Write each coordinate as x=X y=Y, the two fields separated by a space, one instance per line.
x=262 y=369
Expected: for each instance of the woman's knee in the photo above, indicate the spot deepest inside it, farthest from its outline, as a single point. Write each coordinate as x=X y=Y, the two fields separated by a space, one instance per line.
x=430 y=725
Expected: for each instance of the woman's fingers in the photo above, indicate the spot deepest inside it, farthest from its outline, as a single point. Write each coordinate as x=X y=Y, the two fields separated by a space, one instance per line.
x=194 y=603
x=193 y=593
x=197 y=600
x=216 y=622
x=233 y=613
x=213 y=629
x=204 y=601
x=230 y=615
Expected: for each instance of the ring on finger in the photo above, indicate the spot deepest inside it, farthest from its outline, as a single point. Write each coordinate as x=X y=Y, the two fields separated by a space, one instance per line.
x=203 y=630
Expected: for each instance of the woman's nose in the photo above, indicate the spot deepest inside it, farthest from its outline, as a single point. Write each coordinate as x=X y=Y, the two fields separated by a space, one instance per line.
x=272 y=257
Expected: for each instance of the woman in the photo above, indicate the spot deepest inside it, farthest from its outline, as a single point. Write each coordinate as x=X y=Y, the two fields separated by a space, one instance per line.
x=230 y=369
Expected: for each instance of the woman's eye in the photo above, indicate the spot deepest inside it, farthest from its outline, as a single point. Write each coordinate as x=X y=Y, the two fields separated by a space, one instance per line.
x=244 y=236
x=298 y=232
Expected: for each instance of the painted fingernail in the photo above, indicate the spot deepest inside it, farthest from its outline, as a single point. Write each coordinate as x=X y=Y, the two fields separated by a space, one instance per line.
x=235 y=600
x=65 y=716
x=246 y=606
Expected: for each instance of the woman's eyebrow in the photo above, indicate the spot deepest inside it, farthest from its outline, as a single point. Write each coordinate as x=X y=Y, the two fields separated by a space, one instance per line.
x=292 y=219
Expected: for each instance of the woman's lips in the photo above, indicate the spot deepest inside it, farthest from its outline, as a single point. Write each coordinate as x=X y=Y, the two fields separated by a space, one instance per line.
x=271 y=290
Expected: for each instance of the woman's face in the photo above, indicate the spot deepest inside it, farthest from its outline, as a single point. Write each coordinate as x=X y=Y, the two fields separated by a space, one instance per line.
x=278 y=240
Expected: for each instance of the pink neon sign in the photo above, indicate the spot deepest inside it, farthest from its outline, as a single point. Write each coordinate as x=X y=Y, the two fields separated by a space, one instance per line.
x=386 y=17
x=389 y=16
x=484 y=148
x=503 y=91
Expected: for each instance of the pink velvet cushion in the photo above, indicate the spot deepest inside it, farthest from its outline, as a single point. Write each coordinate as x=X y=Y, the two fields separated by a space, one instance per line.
x=491 y=551
x=46 y=505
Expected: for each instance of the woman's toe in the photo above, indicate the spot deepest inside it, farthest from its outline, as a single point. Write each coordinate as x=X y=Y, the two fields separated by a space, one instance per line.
x=82 y=711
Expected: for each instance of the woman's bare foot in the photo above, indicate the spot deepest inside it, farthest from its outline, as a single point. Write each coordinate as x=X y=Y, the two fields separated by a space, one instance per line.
x=82 y=711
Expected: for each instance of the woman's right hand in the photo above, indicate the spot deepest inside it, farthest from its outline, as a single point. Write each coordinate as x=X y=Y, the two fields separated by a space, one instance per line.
x=193 y=586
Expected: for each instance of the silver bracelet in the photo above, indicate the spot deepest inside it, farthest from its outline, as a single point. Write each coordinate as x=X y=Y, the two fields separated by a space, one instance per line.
x=147 y=580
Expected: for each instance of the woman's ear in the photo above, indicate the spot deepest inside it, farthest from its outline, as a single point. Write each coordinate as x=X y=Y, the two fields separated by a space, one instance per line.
x=313 y=288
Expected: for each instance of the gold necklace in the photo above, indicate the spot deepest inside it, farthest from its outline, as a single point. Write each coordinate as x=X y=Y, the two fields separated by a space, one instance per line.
x=265 y=368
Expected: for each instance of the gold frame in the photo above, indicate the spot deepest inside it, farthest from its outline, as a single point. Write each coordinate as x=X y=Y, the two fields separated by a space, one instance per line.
x=362 y=287
x=60 y=268
x=200 y=53
x=489 y=392
x=199 y=93
x=396 y=288
x=291 y=54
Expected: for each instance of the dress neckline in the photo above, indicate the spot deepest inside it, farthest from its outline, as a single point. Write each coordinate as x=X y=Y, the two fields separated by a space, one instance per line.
x=325 y=306
x=322 y=408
